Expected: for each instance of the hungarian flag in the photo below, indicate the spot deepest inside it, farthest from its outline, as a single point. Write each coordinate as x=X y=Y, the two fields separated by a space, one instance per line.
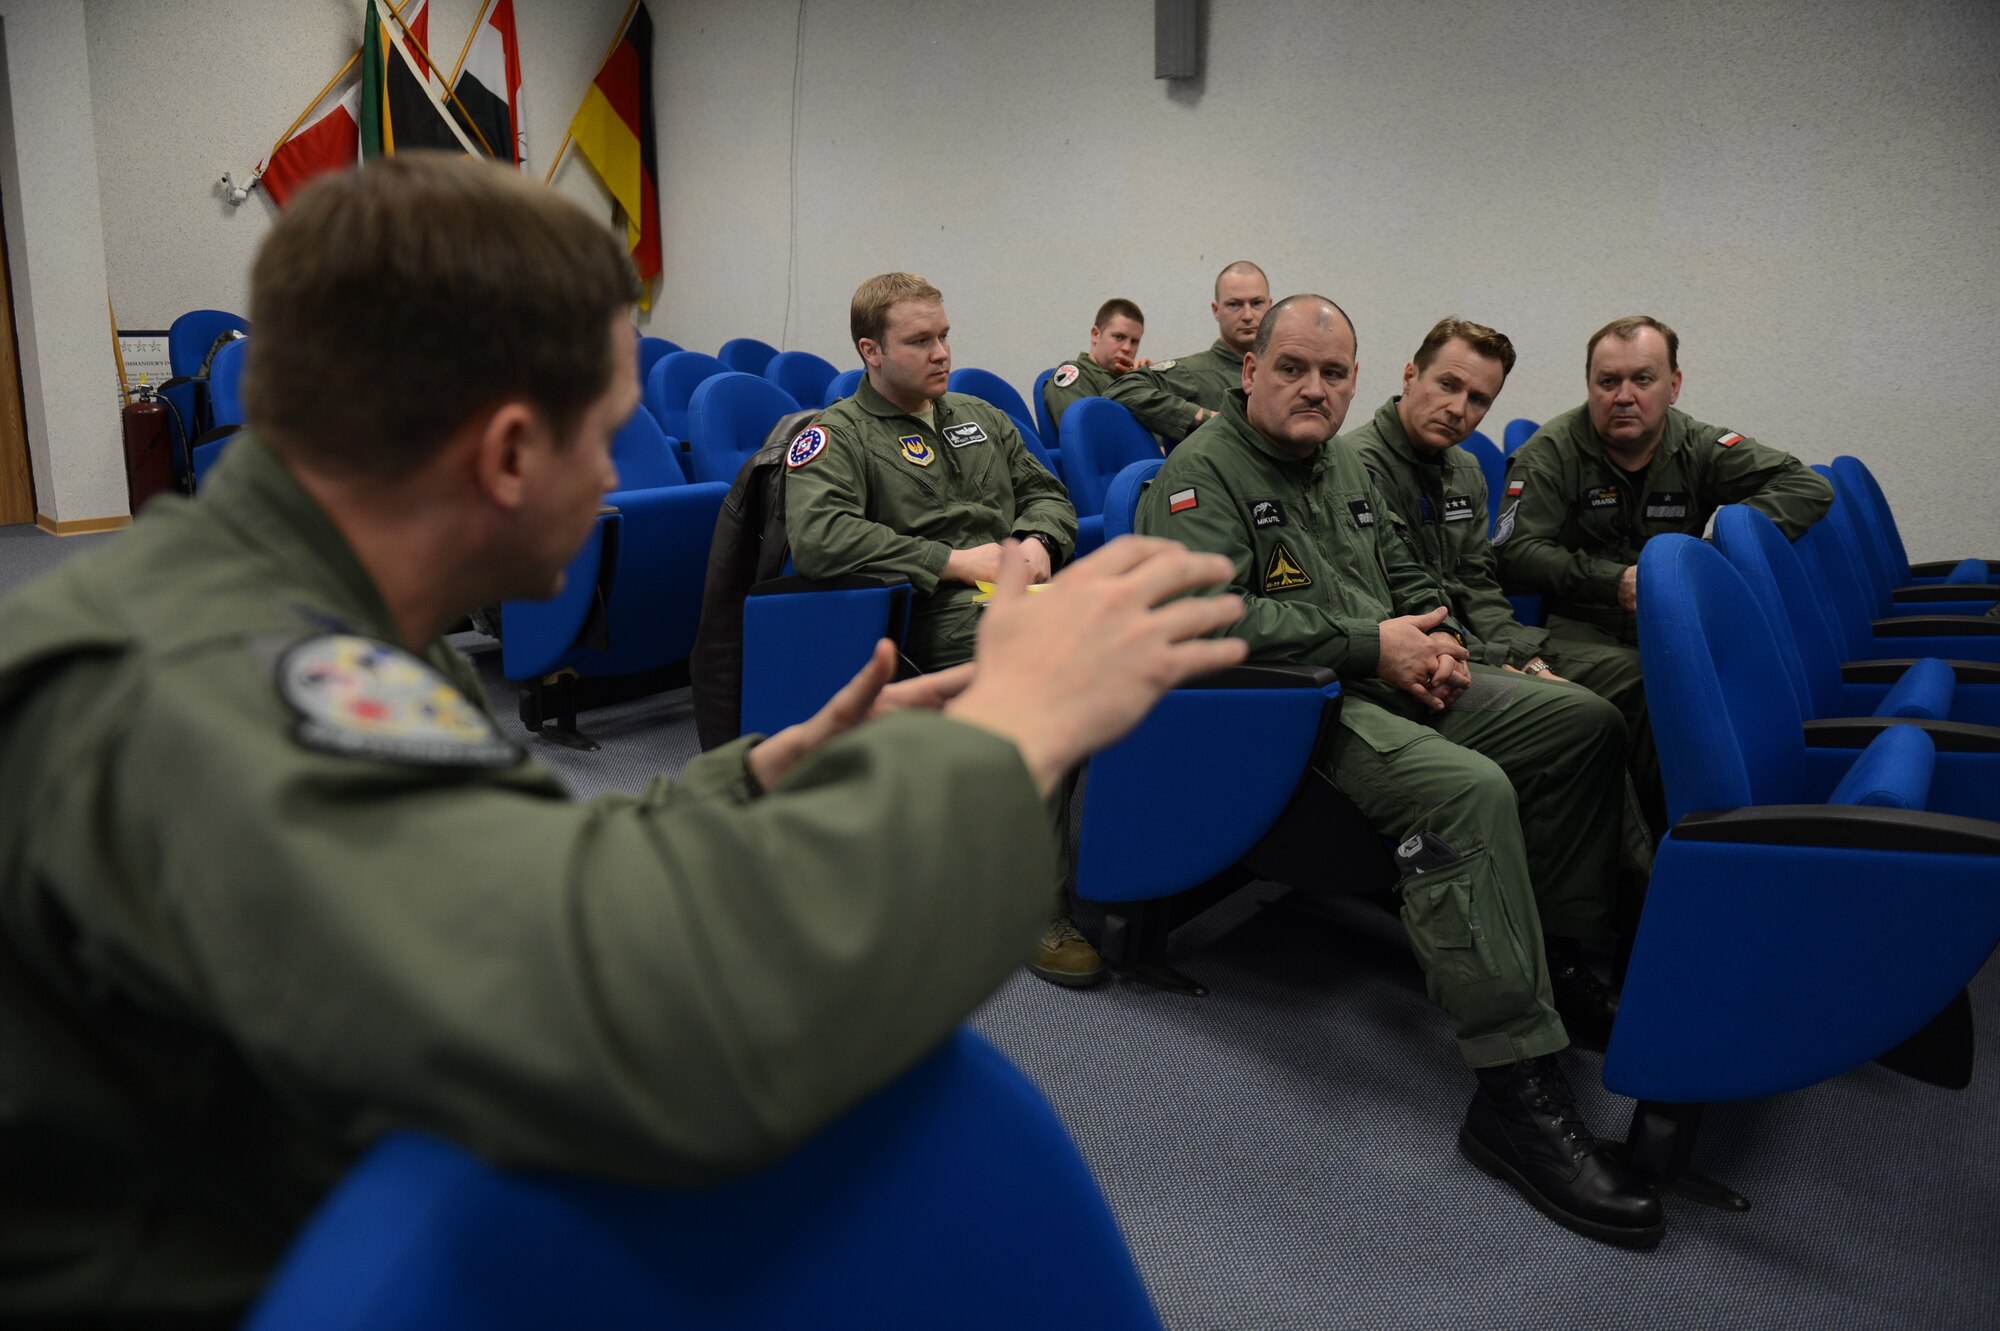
x=399 y=109
x=489 y=86
x=614 y=130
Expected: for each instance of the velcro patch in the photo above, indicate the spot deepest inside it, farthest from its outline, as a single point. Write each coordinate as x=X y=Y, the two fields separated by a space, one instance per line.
x=917 y=451
x=366 y=699
x=958 y=436
x=1514 y=489
x=1065 y=375
x=1730 y=440
x=1601 y=496
x=1267 y=513
x=807 y=444
x=1505 y=527
x=1180 y=501
x=1162 y=365
x=1458 y=508
x=1363 y=511
x=1667 y=504
x=1282 y=573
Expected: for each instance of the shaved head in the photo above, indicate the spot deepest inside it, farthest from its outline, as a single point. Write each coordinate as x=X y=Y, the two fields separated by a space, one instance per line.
x=1321 y=310
x=1241 y=268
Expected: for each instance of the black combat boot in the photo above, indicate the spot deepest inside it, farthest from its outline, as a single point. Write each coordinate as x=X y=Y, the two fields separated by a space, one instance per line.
x=1523 y=1128
x=1586 y=1004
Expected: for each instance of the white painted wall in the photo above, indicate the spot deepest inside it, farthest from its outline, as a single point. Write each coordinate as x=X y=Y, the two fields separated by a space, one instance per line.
x=55 y=240
x=1808 y=194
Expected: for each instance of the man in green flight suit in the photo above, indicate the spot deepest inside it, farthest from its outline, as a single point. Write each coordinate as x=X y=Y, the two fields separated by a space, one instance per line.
x=907 y=478
x=1501 y=791
x=276 y=883
x=1113 y=350
x=1172 y=397
x=1593 y=485
x=1411 y=447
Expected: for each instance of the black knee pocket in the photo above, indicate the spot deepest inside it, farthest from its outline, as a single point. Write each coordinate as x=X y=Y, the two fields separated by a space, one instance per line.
x=1452 y=943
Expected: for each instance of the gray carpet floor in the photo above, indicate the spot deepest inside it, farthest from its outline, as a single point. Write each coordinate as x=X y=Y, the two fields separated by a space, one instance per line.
x=1281 y=1153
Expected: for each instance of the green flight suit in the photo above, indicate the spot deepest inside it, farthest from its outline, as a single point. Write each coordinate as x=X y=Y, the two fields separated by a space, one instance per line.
x=1519 y=780
x=1086 y=378
x=1573 y=521
x=1164 y=395
x=254 y=913
x=1442 y=499
x=886 y=492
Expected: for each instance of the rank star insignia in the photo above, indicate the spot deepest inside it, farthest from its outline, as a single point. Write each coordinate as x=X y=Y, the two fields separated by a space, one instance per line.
x=917 y=451
x=1282 y=573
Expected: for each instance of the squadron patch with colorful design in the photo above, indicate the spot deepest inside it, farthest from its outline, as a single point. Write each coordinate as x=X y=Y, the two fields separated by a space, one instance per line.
x=1282 y=573
x=1064 y=376
x=917 y=451
x=807 y=444
x=366 y=699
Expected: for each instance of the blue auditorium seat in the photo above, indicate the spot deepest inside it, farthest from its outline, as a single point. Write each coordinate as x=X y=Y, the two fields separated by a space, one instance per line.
x=1493 y=465
x=225 y=407
x=1519 y=431
x=729 y=416
x=1789 y=933
x=1102 y=439
x=1121 y=498
x=670 y=387
x=192 y=336
x=651 y=351
x=803 y=375
x=1873 y=558
x=952 y=1197
x=746 y=355
x=190 y=340
x=843 y=386
x=990 y=387
x=1043 y=421
x=1966 y=579
x=1848 y=601
x=1050 y=462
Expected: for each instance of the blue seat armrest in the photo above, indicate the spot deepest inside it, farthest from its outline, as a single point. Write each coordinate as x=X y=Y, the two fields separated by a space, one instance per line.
x=1945 y=568
x=1089 y=535
x=1947 y=591
x=1923 y=691
x=1842 y=827
x=1966 y=625
x=1854 y=732
x=803 y=638
x=1893 y=772
x=1890 y=669
x=537 y=635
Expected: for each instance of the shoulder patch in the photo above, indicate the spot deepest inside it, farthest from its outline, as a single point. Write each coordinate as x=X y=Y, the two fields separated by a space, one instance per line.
x=1065 y=375
x=1514 y=489
x=1162 y=365
x=1505 y=527
x=1282 y=573
x=1730 y=439
x=1180 y=501
x=362 y=698
x=807 y=444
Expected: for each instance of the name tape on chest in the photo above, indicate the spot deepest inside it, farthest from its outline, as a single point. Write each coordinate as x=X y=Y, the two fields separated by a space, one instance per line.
x=1730 y=439
x=1667 y=504
x=1065 y=375
x=1601 y=496
x=1180 y=501
x=806 y=445
x=915 y=450
x=361 y=698
x=1458 y=508
x=1267 y=513
x=1282 y=572
x=1363 y=511
x=968 y=432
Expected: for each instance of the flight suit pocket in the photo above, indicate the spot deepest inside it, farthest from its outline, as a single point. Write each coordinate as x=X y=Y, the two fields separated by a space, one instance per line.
x=1446 y=934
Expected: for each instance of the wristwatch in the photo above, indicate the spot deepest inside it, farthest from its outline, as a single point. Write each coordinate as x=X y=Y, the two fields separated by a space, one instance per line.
x=1048 y=544
x=1535 y=666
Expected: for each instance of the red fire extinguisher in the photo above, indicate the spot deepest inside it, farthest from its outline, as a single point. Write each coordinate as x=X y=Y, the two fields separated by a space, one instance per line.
x=149 y=449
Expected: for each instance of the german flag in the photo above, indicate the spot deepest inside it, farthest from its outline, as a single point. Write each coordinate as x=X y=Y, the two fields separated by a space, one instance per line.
x=614 y=131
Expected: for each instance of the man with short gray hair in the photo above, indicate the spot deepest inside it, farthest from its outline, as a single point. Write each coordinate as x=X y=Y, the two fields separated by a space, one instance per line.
x=1172 y=397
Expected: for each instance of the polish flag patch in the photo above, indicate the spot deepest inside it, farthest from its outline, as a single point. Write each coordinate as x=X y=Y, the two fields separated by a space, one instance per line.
x=1729 y=440
x=1514 y=489
x=1180 y=501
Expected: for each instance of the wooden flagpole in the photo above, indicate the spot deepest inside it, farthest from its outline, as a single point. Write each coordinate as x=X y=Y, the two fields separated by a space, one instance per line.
x=618 y=37
x=118 y=352
x=453 y=80
x=397 y=10
x=286 y=137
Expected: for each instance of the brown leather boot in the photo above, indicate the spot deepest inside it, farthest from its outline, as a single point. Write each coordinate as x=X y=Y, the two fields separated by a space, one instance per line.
x=1066 y=957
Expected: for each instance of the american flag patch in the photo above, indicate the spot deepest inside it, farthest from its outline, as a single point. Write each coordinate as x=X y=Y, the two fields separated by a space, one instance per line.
x=1180 y=501
x=1514 y=489
x=1730 y=440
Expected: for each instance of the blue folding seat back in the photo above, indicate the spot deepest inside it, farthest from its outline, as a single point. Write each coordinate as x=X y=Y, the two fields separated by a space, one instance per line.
x=1034 y=443
x=644 y=456
x=843 y=386
x=990 y=387
x=190 y=337
x=803 y=375
x=225 y=383
x=1101 y=440
x=952 y=1197
x=540 y=637
x=1872 y=556
x=1121 y=499
x=1877 y=524
x=729 y=418
x=746 y=355
x=670 y=388
x=785 y=681
x=1043 y=421
x=651 y=351
x=1493 y=465
x=1519 y=431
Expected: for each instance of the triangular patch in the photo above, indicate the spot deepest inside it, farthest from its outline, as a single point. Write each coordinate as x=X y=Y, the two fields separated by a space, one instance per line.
x=1283 y=573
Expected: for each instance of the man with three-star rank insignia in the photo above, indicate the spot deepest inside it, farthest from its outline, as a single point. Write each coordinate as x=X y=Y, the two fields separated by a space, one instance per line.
x=1113 y=350
x=1503 y=795
x=275 y=882
x=1593 y=485
x=906 y=478
x=1411 y=449
x=1172 y=397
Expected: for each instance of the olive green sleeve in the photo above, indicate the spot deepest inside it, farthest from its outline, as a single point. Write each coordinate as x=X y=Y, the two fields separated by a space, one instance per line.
x=663 y=988
x=1770 y=480
x=1058 y=400
x=1413 y=587
x=1162 y=400
x=1483 y=608
x=827 y=522
x=1277 y=628
x=1041 y=504
x=1530 y=548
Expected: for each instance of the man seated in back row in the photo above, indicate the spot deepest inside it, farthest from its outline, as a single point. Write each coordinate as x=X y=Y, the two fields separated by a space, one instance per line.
x=276 y=883
x=1172 y=397
x=1113 y=350
x=1593 y=485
